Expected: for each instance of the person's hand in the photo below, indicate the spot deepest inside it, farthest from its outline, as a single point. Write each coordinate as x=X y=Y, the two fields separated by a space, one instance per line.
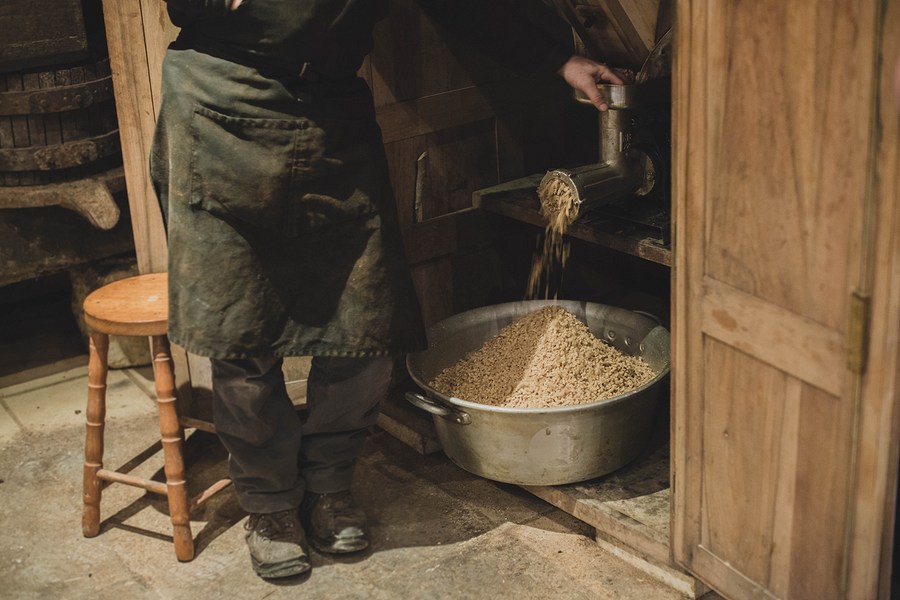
x=584 y=74
x=234 y=4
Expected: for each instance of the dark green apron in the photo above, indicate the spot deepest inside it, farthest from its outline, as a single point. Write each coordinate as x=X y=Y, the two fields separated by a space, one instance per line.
x=282 y=229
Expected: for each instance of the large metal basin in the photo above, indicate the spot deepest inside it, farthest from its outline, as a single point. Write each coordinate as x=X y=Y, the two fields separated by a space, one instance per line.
x=542 y=446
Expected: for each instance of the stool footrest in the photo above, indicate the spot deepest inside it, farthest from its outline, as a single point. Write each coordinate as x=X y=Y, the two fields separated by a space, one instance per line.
x=191 y=422
x=151 y=486
x=208 y=493
x=160 y=488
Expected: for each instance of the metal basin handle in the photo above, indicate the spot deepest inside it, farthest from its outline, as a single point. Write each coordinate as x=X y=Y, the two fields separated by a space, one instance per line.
x=435 y=408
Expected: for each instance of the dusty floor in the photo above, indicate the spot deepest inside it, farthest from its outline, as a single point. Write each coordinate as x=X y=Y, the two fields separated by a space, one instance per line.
x=438 y=531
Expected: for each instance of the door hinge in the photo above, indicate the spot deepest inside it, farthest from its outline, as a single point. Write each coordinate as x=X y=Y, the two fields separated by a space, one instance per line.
x=858 y=332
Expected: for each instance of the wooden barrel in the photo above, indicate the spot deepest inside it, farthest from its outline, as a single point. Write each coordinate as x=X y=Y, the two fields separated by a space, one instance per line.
x=57 y=125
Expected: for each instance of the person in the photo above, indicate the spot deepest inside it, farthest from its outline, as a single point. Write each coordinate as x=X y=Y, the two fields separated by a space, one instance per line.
x=283 y=240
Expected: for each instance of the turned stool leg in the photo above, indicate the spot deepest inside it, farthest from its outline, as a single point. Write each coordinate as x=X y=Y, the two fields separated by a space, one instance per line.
x=93 y=444
x=172 y=437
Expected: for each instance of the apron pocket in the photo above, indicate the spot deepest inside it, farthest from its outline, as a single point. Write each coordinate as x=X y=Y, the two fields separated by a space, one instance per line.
x=287 y=177
x=241 y=167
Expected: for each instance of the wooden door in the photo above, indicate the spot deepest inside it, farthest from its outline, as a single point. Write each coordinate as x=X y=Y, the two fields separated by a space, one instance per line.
x=787 y=274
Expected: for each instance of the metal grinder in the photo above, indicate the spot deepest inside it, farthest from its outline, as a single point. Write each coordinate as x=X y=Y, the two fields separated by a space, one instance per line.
x=633 y=143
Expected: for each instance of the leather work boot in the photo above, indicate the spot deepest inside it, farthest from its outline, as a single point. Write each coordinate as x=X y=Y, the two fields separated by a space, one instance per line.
x=334 y=524
x=277 y=544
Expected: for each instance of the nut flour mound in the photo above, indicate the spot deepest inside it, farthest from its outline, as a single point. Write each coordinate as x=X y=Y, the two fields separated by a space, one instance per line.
x=545 y=359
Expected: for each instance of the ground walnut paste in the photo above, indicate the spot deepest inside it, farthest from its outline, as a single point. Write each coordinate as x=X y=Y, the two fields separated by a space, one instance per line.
x=559 y=207
x=545 y=359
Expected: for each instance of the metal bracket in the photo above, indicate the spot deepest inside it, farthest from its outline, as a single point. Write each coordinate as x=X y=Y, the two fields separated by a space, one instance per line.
x=858 y=332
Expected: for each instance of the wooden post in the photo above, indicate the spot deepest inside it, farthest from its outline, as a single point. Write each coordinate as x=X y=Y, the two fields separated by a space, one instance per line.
x=137 y=109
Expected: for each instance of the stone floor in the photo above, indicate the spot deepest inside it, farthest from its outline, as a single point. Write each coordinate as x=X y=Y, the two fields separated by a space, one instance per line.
x=438 y=531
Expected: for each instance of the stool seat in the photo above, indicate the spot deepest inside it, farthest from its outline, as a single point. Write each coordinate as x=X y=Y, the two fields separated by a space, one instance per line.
x=134 y=306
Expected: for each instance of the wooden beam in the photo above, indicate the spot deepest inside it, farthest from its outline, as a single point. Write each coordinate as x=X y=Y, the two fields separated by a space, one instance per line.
x=136 y=109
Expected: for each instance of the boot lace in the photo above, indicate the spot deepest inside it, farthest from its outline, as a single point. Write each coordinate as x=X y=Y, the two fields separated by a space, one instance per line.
x=273 y=525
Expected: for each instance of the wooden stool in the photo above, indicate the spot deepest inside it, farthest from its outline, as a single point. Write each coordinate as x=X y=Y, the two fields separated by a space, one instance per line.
x=137 y=306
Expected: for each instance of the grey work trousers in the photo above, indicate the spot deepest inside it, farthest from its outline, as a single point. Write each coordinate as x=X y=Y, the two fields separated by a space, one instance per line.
x=273 y=456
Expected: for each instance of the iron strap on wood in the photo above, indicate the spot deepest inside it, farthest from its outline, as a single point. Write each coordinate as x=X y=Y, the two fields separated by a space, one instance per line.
x=60 y=156
x=56 y=99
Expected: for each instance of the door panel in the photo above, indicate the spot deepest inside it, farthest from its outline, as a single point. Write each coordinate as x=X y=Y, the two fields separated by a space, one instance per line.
x=738 y=488
x=821 y=486
x=769 y=516
x=788 y=150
